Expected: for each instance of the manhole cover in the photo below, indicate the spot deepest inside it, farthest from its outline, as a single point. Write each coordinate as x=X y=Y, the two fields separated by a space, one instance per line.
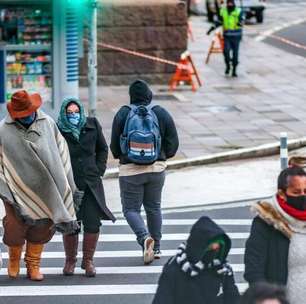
x=248 y=89
x=165 y=97
x=221 y=109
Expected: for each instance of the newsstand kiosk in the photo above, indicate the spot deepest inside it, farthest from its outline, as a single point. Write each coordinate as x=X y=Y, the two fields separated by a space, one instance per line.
x=39 y=50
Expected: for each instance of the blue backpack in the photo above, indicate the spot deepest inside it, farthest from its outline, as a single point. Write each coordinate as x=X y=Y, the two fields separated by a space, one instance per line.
x=141 y=140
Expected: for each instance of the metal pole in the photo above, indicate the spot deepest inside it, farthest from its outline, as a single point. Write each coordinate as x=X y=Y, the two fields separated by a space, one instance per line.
x=92 y=59
x=284 y=150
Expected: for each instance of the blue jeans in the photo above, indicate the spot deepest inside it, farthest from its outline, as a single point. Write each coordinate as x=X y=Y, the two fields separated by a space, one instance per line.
x=143 y=189
x=231 y=45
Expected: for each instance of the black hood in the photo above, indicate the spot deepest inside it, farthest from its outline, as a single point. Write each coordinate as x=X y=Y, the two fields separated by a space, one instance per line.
x=140 y=93
x=202 y=232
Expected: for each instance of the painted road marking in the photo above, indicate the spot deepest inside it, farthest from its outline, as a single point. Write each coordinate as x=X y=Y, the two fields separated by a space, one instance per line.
x=69 y=290
x=117 y=254
x=166 y=237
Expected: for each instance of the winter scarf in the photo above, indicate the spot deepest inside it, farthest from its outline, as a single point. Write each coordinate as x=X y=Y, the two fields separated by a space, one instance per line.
x=273 y=214
x=194 y=269
x=297 y=214
x=63 y=122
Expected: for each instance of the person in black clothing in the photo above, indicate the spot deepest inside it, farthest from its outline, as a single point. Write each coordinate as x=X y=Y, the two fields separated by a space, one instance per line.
x=267 y=257
x=264 y=293
x=199 y=271
x=142 y=184
x=88 y=152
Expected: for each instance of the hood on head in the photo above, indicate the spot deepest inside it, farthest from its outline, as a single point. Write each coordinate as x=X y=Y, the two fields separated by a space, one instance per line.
x=231 y=2
x=202 y=233
x=140 y=93
x=67 y=101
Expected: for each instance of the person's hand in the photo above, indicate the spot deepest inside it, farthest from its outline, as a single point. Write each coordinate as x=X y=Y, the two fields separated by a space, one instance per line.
x=77 y=198
x=210 y=30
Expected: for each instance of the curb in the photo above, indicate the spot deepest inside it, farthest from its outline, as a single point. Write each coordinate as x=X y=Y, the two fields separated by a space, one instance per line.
x=245 y=153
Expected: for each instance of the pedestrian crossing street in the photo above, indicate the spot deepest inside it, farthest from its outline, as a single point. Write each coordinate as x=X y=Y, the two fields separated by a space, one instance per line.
x=121 y=275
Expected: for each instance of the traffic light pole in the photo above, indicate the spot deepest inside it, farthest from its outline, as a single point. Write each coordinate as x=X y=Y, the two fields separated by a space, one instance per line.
x=92 y=59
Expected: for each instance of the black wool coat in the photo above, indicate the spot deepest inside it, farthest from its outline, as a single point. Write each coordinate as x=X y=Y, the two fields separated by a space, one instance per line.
x=177 y=287
x=266 y=254
x=88 y=159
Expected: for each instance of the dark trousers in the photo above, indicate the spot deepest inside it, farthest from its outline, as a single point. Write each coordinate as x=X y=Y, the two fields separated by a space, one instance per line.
x=90 y=213
x=143 y=189
x=231 y=49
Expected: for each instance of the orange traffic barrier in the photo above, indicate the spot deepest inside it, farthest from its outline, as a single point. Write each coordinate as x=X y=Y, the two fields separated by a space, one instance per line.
x=216 y=46
x=184 y=73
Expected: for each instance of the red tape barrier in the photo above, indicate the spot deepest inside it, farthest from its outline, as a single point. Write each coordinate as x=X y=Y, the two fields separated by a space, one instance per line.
x=142 y=55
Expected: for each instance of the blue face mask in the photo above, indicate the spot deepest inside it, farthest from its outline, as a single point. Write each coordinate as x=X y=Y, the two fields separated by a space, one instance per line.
x=28 y=120
x=74 y=118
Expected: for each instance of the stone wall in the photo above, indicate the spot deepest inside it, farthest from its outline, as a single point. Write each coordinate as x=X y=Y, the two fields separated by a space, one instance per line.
x=154 y=27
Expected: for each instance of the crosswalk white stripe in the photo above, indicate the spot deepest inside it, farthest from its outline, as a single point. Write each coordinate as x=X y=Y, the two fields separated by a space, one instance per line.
x=69 y=290
x=184 y=222
x=188 y=222
x=116 y=254
x=166 y=237
x=112 y=270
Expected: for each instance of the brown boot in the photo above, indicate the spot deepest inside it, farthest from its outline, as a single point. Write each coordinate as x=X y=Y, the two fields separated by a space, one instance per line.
x=71 y=250
x=32 y=260
x=89 y=247
x=13 y=267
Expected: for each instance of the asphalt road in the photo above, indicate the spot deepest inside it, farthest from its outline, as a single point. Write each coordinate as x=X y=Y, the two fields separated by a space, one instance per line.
x=121 y=278
x=295 y=34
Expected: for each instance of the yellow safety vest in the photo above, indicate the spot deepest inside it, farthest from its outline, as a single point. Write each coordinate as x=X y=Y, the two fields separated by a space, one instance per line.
x=230 y=21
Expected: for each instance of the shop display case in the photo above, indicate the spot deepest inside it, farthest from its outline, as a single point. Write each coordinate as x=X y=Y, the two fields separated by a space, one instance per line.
x=27 y=34
x=39 y=50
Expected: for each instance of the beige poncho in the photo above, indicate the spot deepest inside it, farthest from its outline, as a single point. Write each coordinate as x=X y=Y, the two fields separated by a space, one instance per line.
x=35 y=172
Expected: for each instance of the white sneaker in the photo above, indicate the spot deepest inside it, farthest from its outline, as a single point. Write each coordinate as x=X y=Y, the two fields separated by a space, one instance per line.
x=148 y=252
x=157 y=254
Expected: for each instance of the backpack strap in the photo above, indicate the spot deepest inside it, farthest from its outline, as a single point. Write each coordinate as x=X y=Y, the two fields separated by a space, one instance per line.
x=124 y=132
x=151 y=106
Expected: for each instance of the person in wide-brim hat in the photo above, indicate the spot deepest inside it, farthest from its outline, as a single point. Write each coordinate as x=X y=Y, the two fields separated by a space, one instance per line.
x=23 y=104
x=36 y=182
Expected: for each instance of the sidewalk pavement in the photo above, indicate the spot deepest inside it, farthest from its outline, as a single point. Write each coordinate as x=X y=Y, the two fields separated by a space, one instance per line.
x=266 y=99
x=213 y=184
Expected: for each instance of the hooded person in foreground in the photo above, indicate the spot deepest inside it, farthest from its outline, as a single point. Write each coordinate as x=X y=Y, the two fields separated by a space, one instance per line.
x=199 y=273
x=36 y=182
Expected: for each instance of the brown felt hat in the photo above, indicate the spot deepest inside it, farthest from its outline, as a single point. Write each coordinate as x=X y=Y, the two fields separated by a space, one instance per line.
x=23 y=104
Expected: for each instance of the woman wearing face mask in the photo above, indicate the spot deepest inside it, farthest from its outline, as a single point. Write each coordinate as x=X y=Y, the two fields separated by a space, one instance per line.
x=88 y=152
x=276 y=249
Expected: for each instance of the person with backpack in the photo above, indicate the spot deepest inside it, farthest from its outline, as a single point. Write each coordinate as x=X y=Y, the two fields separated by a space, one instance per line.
x=199 y=273
x=143 y=137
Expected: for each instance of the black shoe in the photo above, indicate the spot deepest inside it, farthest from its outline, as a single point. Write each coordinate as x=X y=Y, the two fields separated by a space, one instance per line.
x=227 y=70
x=234 y=73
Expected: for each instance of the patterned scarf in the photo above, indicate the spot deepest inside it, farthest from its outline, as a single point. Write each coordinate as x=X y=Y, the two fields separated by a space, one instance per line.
x=63 y=123
x=194 y=269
